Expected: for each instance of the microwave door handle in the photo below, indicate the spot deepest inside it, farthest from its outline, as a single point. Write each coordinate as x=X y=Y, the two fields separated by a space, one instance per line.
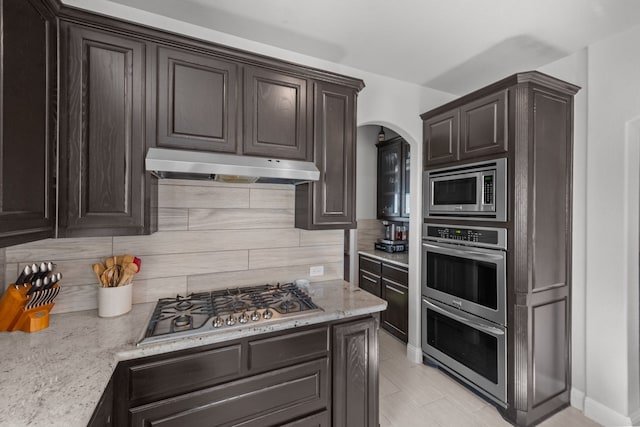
x=467 y=253
x=488 y=329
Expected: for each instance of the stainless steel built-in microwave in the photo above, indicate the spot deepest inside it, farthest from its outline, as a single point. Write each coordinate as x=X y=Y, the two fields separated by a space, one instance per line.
x=472 y=191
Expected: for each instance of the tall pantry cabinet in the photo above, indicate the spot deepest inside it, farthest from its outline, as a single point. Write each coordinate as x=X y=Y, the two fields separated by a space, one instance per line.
x=527 y=118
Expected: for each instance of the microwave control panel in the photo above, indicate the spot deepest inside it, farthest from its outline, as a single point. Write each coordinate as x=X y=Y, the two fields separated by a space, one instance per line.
x=483 y=236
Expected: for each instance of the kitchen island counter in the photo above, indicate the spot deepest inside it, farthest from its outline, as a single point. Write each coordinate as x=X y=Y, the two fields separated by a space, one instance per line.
x=56 y=376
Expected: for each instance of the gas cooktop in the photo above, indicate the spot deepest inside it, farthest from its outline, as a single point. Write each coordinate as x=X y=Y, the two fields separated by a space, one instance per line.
x=205 y=312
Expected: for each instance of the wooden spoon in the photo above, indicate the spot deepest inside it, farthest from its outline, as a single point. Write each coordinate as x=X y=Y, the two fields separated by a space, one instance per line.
x=98 y=268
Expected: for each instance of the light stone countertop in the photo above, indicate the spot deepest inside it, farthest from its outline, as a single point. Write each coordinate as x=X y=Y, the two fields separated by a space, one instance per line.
x=56 y=376
x=399 y=258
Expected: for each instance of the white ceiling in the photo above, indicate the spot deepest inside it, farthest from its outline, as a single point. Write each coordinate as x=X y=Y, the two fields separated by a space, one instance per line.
x=450 y=45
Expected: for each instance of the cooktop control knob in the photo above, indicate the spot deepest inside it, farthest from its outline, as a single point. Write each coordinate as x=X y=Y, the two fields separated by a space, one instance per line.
x=268 y=314
x=217 y=322
x=255 y=316
x=231 y=321
x=243 y=318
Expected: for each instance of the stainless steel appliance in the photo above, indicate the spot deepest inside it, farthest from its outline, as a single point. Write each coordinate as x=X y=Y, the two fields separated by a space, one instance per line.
x=205 y=312
x=474 y=191
x=464 y=304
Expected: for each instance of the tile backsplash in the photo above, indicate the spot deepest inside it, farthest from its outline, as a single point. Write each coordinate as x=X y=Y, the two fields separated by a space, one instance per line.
x=210 y=236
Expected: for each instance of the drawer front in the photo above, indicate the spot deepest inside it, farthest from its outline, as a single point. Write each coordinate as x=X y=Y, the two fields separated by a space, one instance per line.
x=288 y=349
x=273 y=398
x=185 y=373
x=370 y=265
x=369 y=283
x=396 y=274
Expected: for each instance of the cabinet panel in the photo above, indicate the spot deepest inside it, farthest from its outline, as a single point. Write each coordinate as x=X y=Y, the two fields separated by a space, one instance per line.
x=267 y=399
x=370 y=265
x=395 y=318
x=396 y=273
x=330 y=202
x=165 y=377
x=275 y=114
x=369 y=283
x=290 y=348
x=27 y=134
x=405 y=192
x=103 y=162
x=482 y=126
x=355 y=374
x=197 y=101
x=441 y=138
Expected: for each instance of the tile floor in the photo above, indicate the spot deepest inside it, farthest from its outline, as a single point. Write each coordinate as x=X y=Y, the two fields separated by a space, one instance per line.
x=417 y=395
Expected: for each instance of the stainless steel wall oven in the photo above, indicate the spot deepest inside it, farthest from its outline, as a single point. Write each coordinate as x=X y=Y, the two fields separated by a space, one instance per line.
x=464 y=304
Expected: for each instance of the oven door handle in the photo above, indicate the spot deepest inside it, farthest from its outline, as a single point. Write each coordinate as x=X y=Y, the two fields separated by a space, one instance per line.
x=464 y=253
x=488 y=329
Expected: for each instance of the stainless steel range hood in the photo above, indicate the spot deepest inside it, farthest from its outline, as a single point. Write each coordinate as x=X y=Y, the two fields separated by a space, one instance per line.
x=185 y=164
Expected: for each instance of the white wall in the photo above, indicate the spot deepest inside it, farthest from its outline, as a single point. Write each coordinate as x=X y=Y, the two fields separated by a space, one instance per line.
x=606 y=357
x=612 y=229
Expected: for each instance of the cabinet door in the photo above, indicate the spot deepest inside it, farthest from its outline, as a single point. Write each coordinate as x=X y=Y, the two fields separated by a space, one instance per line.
x=390 y=172
x=275 y=114
x=103 y=186
x=482 y=126
x=395 y=318
x=355 y=374
x=197 y=97
x=330 y=202
x=441 y=138
x=406 y=180
x=27 y=126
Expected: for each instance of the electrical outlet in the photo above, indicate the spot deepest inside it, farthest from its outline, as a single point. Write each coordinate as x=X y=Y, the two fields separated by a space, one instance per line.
x=317 y=270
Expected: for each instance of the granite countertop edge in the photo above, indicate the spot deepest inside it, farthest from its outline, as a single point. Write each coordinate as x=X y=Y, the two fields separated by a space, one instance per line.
x=398 y=258
x=56 y=376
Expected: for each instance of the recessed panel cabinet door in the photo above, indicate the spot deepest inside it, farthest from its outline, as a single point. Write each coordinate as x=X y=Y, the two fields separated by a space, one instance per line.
x=482 y=126
x=196 y=101
x=330 y=202
x=103 y=136
x=441 y=138
x=275 y=114
x=27 y=52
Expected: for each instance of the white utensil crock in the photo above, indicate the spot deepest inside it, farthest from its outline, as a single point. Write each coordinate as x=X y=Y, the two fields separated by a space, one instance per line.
x=114 y=301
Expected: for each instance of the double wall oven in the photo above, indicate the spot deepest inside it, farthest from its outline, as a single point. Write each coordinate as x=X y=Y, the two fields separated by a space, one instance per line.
x=464 y=295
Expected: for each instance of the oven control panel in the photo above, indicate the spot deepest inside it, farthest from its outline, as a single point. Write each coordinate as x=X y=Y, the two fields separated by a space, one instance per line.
x=477 y=236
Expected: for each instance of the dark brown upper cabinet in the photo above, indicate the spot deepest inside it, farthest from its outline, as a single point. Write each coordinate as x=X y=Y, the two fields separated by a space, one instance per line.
x=27 y=129
x=330 y=202
x=275 y=114
x=482 y=126
x=103 y=186
x=473 y=130
x=197 y=99
x=393 y=180
x=440 y=135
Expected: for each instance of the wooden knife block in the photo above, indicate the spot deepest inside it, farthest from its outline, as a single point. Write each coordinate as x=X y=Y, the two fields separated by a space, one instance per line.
x=14 y=317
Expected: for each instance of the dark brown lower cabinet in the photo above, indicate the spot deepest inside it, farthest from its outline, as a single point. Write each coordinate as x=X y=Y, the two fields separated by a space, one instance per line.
x=355 y=374
x=391 y=283
x=321 y=375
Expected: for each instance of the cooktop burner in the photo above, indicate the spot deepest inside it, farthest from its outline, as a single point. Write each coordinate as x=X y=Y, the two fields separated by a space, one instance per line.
x=204 y=312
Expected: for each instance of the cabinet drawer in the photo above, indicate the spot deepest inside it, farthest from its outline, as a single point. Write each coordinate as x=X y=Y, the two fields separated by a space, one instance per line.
x=369 y=283
x=185 y=373
x=272 y=398
x=370 y=265
x=287 y=349
x=396 y=273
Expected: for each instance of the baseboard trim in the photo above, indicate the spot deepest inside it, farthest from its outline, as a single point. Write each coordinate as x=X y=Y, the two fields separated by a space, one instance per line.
x=414 y=353
x=604 y=415
x=577 y=399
